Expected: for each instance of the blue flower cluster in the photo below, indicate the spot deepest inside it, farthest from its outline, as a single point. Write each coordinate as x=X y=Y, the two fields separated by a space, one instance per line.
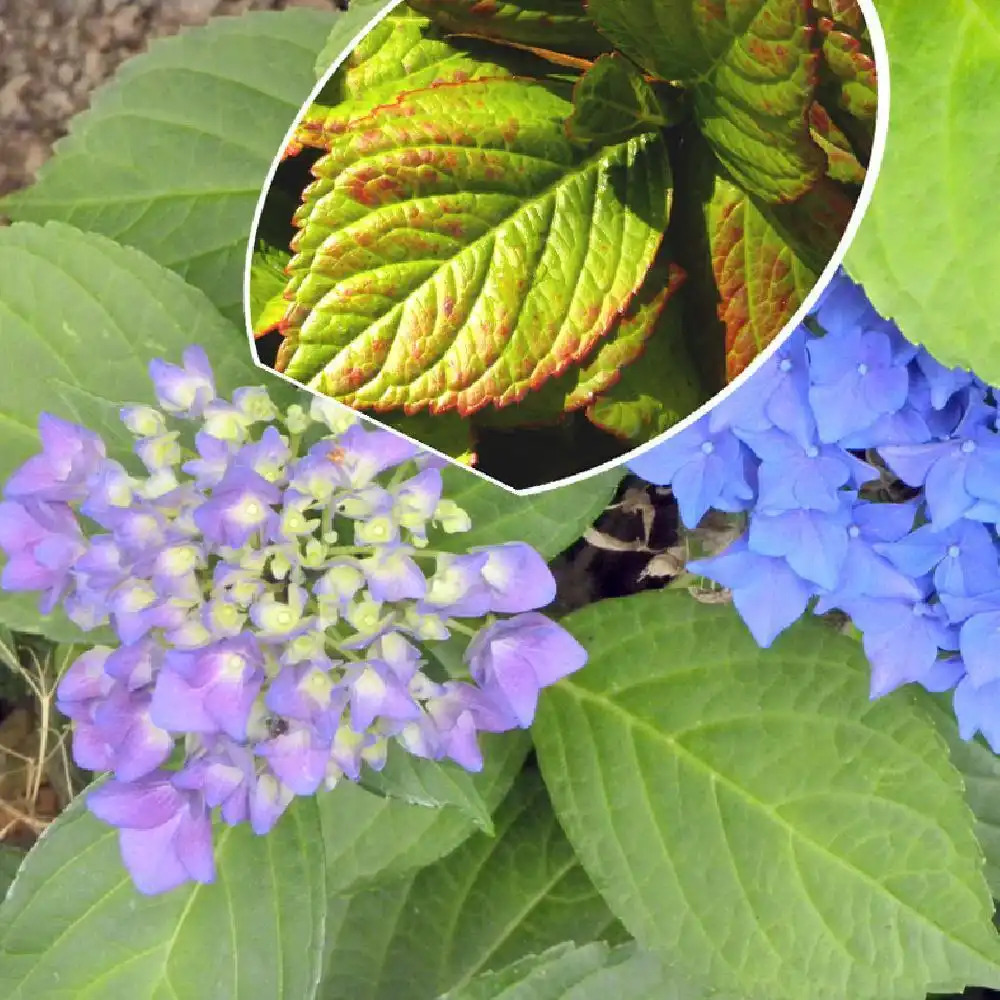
x=870 y=477
x=277 y=602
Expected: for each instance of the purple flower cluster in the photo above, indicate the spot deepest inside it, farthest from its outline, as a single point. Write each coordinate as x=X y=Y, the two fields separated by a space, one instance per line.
x=276 y=601
x=869 y=478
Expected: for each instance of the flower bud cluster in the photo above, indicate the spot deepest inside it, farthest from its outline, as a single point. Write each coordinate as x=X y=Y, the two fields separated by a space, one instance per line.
x=277 y=601
x=869 y=478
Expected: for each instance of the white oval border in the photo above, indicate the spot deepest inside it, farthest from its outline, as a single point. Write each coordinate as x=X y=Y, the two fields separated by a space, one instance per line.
x=864 y=199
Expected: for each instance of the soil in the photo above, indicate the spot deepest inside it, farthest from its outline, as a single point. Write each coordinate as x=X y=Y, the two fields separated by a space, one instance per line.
x=53 y=53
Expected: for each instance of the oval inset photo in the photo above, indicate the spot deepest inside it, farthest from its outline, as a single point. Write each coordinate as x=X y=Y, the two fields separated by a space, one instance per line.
x=536 y=235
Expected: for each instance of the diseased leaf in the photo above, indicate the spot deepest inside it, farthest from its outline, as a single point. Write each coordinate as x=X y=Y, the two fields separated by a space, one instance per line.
x=560 y=25
x=846 y=13
x=467 y=282
x=73 y=925
x=675 y=764
x=628 y=339
x=168 y=159
x=398 y=55
x=842 y=162
x=926 y=251
x=549 y=522
x=593 y=972
x=752 y=70
x=612 y=101
x=371 y=840
x=657 y=390
x=483 y=906
x=431 y=784
x=852 y=65
x=767 y=258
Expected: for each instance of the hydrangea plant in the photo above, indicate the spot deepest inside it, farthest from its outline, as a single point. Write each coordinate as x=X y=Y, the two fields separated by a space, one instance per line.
x=868 y=475
x=249 y=596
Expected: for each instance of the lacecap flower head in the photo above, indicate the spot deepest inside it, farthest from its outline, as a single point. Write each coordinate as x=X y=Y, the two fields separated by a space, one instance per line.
x=276 y=600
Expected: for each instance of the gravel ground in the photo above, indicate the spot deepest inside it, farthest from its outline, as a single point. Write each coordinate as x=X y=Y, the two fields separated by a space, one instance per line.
x=53 y=53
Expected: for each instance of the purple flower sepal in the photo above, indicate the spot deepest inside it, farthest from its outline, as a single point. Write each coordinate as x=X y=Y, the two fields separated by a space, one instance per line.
x=165 y=833
x=184 y=390
x=209 y=690
x=518 y=578
x=363 y=454
x=298 y=757
x=225 y=775
x=70 y=455
x=458 y=587
x=43 y=542
x=512 y=660
x=393 y=575
x=239 y=507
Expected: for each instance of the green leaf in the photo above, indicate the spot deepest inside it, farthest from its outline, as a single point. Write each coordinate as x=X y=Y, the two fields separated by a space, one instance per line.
x=10 y=861
x=267 y=288
x=80 y=320
x=483 y=906
x=593 y=972
x=656 y=391
x=348 y=25
x=980 y=770
x=550 y=521
x=752 y=72
x=766 y=260
x=752 y=816
x=561 y=25
x=429 y=783
x=926 y=251
x=19 y=611
x=172 y=154
x=478 y=299
x=74 y=926
x=612 y=100
x=370 y=840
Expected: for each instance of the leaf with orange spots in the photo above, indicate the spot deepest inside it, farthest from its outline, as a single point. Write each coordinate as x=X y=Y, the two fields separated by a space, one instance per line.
x=752 y=68
x=767 y=258
x=560 y=25
x=842 y=162
x=635 y=337
x=466 y=251
x=399 y=54
x=660 y=388
x=851 y=65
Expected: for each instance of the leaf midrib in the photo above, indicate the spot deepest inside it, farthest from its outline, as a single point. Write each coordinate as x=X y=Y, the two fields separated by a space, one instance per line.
x=793 y=832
